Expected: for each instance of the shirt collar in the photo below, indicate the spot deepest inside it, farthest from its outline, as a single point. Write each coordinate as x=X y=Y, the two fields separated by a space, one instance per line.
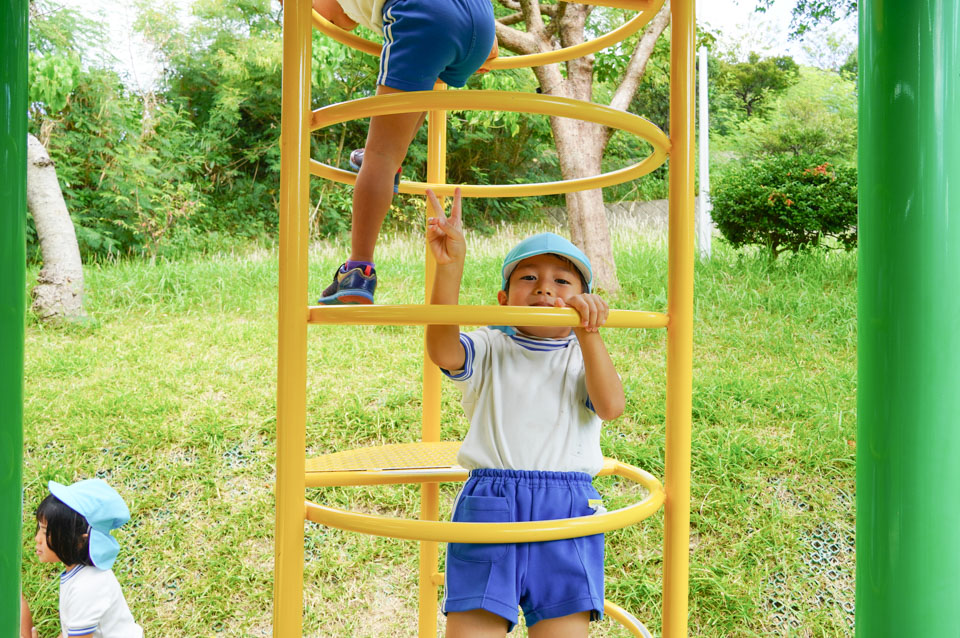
x=70 y=573
x=542 y=344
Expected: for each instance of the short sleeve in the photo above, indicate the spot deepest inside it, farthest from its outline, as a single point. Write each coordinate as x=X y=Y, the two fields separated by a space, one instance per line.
x=469 y=352
x=476 y=345
x=84 y=607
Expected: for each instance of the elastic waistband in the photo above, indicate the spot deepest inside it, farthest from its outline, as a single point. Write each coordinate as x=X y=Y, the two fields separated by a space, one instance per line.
x=533 y=476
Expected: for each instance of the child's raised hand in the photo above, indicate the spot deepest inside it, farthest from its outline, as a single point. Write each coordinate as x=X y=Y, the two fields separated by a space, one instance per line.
x=445 y=234
x=593 y=310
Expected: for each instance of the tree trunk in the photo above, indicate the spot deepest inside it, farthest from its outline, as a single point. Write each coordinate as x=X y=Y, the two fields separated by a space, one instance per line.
x=580 y=150
x=58 y=294
x=580 y=144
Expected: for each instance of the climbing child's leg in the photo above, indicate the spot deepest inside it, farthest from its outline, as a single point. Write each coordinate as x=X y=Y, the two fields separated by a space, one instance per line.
x=388 y=139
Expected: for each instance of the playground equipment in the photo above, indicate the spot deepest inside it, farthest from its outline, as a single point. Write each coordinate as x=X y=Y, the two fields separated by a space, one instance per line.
x=908 y=441
x=908 y=339
x=432 y=461
x=13 y=216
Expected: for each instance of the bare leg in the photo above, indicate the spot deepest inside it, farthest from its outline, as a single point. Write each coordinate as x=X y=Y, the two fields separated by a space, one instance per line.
x=26 y=620
x=388 y=139
x=476 y=623
x=572 y=626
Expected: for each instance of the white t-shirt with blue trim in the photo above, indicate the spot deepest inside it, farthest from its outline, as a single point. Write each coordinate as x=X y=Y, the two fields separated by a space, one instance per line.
x=91 y=602
x=526 y=399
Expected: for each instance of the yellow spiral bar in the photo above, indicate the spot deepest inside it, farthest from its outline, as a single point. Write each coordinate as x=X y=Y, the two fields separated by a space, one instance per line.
x=647 y=8
x=625 y=618
x=590 y=47
x=526 y=532
x=415 y=101
x=343 y=36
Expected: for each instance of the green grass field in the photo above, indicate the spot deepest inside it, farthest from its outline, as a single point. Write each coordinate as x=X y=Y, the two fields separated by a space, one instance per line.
x=170 y=396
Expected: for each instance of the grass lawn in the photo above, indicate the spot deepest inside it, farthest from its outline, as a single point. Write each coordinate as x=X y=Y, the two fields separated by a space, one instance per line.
x=170 y=396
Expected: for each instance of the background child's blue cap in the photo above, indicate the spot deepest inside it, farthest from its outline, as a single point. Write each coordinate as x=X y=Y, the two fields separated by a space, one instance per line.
x=542 y=244
x=104 y=510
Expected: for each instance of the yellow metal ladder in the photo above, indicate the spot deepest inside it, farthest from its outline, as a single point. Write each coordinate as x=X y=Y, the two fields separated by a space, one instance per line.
x=432 y=461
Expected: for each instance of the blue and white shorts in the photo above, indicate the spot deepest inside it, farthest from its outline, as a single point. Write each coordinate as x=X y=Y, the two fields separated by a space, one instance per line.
x=423 y=41
x=548 y=579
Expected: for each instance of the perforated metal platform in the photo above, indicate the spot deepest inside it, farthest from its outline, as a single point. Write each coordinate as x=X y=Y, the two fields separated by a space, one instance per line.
x=394 y=463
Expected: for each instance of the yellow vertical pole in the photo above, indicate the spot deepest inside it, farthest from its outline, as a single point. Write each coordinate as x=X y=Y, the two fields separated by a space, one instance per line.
x=430 y=492
x=292 y=321
x=676 y=546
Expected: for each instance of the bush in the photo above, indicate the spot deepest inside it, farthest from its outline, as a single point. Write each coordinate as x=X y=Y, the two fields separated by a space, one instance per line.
x=816 y=116
x=787 y=203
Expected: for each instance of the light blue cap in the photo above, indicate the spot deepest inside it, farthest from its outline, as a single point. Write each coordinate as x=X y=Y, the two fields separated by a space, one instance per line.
x=104 y=510
x=542 y=244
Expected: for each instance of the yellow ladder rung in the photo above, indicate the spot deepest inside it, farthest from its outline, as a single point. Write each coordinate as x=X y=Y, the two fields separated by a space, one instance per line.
x=420 y=314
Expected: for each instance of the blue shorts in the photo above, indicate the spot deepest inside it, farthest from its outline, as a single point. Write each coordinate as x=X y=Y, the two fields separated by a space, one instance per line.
x=549 y=579
x=423 y=41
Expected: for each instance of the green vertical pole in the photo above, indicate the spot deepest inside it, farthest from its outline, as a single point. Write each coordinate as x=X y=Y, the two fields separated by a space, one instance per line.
x=908 y=450
x=13 y=215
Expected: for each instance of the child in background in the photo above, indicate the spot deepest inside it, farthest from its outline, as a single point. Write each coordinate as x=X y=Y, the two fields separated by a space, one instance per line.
x=73 y=528
x=535 y=397
x=423 y=41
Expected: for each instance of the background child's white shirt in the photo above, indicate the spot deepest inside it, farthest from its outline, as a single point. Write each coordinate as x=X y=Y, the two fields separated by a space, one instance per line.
x=526 y=399
x=91 y=601
x=369 y=13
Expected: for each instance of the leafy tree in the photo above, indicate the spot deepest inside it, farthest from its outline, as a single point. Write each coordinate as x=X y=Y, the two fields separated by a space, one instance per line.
x=62 y=30
x=850 y=67
x=755 y=81
x=125 y=184
x=222 y=71
x=501 y=147
x=827 y=49
x=816 y=116
x=127 y=187
x=60 y=42
x=810 y=13
x=580 y=145
x=148 y=171
x=787 y=202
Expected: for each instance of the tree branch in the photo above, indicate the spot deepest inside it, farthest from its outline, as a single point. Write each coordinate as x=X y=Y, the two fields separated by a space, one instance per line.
x=551 y=9
x=532 y=16
x=638 y=61
x=513 y=18
x=556 y=17
x=515 y=40
x=570 y=26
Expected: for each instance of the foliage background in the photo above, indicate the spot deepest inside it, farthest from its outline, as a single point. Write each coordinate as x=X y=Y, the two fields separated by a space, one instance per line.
x=191 y=164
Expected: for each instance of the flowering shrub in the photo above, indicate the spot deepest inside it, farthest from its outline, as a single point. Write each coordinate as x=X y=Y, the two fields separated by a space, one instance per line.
x=787 y=203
